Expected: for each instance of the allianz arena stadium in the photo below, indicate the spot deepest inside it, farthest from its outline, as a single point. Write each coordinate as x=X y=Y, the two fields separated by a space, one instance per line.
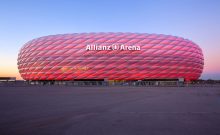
x=110 y=56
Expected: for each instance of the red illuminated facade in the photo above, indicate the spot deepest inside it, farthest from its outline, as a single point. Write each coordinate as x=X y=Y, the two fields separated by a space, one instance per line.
x=144 y=56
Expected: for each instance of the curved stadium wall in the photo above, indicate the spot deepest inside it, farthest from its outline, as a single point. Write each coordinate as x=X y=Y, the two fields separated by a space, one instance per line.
x=132 y=56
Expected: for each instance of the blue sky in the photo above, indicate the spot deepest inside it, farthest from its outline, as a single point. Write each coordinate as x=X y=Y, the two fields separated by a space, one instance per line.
x=197 y=20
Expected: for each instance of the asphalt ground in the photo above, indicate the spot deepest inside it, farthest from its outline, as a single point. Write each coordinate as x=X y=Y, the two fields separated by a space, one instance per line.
x=64 y=110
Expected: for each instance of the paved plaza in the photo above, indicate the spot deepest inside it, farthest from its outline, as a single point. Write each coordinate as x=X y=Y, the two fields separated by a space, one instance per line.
x=65 y=110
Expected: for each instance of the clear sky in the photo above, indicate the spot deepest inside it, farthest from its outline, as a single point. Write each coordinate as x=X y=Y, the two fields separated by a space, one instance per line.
x=23 y=20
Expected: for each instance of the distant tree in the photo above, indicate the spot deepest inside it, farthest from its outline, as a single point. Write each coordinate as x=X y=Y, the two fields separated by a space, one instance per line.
x=210 y=81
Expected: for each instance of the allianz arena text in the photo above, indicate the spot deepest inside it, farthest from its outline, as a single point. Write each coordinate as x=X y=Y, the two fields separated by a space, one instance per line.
x=111 y=56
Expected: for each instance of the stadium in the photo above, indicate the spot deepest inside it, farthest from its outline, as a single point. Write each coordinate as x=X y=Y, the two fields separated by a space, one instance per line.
x=110 y=56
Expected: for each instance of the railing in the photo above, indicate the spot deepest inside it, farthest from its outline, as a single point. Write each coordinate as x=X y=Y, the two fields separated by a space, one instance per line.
x=105 y=84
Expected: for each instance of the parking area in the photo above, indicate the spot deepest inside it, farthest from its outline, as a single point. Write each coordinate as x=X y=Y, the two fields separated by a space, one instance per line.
x=56 y=110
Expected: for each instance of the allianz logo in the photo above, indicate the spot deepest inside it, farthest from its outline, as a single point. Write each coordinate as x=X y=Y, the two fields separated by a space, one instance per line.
x=122 y=47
